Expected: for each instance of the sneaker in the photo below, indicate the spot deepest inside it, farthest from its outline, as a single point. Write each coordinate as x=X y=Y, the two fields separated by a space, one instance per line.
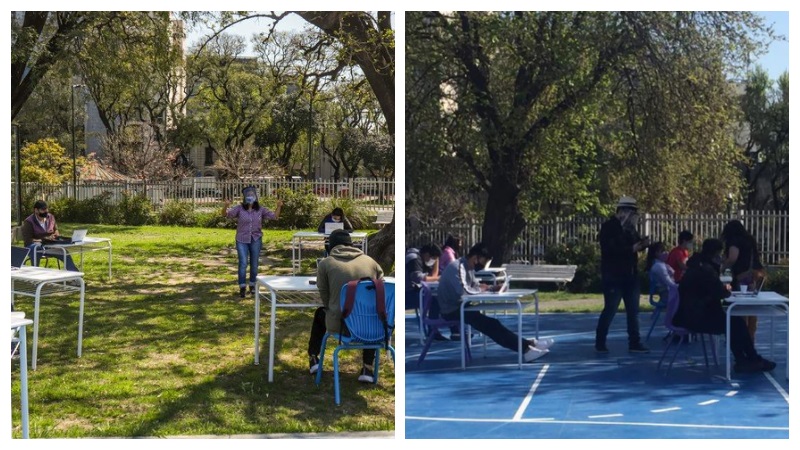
x=638 y=348
x=366 y=376
x=251 y=291
x=242 y=293
x=543 y=344
x=313 y=364
x=533 y=354
x=600 y=348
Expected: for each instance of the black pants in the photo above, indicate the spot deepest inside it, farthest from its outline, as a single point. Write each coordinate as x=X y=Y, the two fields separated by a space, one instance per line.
x=741 y=344
x=626 y=289
x=490 y=327
x=318 y=330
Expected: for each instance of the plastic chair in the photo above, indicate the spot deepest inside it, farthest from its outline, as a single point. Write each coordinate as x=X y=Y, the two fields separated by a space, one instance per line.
x=432 y=325
x=683 y=334
x=19 y=255
x=658 y=306
x=365 y=328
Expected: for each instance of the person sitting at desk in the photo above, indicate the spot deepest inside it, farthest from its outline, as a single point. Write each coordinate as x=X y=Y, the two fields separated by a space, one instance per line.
x=345 y=263
x=660 y=272
x=336 y=216
x=459 y=279
x=700 y=309
x=422 y=265
x=40 y=228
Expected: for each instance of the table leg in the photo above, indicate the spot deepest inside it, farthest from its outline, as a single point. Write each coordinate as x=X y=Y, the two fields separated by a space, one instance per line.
x=80 y=318
x=294 y=256
x=23 y=379
x=728 y=343
x=109 y=260
x=536 y=305
x=257 y=326
x=519 y=332
x=272 y=336
x=36 y=324
x=464 y=332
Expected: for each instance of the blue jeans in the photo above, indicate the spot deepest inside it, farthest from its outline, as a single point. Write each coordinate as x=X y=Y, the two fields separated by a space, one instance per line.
x=625 y=288
x=251 y=251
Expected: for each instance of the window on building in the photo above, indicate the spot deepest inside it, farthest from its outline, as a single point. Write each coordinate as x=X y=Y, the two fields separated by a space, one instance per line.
x=209 y=156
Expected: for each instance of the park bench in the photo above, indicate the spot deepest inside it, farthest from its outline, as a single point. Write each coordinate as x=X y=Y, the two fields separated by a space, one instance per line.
x=540 y=273
x=384 y=217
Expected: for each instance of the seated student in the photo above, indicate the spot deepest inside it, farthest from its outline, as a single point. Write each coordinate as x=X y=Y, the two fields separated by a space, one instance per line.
x=659 y=271
x=450 y=251
x=422 y=265
x=336 y=216
x=40 y=227
x=700 y=310
x=459 y=279
x=679 y=255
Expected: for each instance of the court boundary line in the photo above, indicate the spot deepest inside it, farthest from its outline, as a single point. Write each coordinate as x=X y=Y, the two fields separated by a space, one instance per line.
x=527 y=400
x=777 y=386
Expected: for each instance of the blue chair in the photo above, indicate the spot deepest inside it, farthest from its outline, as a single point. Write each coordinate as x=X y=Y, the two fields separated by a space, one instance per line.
x=432 y=325
x=658 y=306
x=19 y=255
x=366 y=329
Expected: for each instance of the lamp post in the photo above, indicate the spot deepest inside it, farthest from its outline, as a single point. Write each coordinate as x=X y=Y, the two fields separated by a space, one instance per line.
x=74 y=162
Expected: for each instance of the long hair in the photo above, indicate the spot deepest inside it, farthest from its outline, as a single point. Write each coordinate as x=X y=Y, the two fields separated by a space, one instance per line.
x=734 y=230
x=652 y=253
x=453 y=242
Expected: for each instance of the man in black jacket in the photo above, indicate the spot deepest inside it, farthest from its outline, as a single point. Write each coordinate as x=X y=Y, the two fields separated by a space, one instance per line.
x=700 y=308
x=620 y=245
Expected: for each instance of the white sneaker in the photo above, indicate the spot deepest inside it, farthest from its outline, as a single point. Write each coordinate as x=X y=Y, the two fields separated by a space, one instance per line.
x=543 y=344
x=533 y=354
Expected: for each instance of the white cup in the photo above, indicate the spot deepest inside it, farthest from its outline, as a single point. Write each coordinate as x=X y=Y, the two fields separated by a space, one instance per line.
x=743 y=288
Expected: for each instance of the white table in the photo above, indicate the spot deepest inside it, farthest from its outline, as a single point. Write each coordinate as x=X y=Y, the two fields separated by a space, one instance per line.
x=88 y=244
x=493 y=274
x=19 y=324
x=770 y=304
x=37 y=281
x=498 y=301
x=299 y=237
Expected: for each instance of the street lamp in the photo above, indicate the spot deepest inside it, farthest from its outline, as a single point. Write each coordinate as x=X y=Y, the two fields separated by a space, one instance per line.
x=74 y=163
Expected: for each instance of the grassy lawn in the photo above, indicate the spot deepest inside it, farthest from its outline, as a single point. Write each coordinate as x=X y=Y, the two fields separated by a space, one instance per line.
x=168 y=348
x=565 y=302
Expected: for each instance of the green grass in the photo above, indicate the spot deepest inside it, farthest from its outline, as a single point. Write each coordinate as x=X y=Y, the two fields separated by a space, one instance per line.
x=566 y=302
x=168 y=348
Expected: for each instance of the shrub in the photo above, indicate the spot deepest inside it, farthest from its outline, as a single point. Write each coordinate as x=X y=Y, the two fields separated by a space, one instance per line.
x=301 y=209
x=582 y=254
x=778 y=278
x=133 y=209
x=215 y=220
x=93 y=210
x=358 y=216
x=176 y=212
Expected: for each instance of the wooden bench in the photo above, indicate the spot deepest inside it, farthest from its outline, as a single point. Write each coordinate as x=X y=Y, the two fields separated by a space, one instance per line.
x=384 y=217
x=540 y=273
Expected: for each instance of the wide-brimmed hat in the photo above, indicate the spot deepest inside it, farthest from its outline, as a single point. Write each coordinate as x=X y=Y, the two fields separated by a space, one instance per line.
x=626 y=202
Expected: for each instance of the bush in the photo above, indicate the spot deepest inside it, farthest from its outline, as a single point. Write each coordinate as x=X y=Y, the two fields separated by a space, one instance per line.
x=301 y=209
x=176 y=212
x=584 y=255
x=133 y=209
x=357 y=215
x=215 y=220
x=778 y=278
x=93 y=210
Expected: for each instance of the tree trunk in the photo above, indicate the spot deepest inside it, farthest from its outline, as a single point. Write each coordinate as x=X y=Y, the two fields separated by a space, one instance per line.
x=381 y=247
x=502 y=222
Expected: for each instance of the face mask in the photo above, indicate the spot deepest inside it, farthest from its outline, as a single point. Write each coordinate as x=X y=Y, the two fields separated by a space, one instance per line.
x=690 y=246
x=43 y=215
x=430 y=262
x=336 y=220
x=249 y=199
x=479 y=266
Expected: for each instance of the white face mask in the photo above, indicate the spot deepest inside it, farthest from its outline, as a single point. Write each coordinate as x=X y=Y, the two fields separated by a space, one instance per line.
x=336 y=220
x=430 y=262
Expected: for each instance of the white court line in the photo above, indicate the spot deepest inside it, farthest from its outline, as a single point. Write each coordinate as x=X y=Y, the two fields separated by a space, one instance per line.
x=708 y=402
x=731 y=393
x=603 y=416
x=528 y=397
x=674 y=408
x=589 y=422
x=777 y=386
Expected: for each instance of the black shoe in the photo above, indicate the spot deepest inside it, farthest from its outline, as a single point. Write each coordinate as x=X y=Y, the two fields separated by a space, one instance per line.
x=251 y=291
x=439 y=337
x=366 y=376
x=753 y=366
x=242 y=293
x=600 y=348
x=638 y=348
x=313 y=364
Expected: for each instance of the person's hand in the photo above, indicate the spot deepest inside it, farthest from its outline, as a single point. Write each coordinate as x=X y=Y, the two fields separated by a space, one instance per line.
x=279 y=203
x=728 y=287
x=484 y=287
x=495 y=288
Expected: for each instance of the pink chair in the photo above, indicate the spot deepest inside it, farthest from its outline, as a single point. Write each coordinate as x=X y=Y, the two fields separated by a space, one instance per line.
x=683 y=334
x=432 y=325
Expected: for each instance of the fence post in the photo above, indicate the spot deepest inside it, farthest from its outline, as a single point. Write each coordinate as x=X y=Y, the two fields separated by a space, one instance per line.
x=194 y=192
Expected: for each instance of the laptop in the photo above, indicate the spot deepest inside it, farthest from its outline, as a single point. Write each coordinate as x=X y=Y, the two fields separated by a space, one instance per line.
x=79 y=235
x=330 y=226
x=753 y=293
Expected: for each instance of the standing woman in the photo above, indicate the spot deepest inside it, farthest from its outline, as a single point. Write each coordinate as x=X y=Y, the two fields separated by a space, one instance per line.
x=741 y=256
x=249 y=215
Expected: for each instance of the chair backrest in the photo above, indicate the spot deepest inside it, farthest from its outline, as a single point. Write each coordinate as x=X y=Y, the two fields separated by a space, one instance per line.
x=673 y=302
x=363 y=321
x=19 y=255
x=652 y=279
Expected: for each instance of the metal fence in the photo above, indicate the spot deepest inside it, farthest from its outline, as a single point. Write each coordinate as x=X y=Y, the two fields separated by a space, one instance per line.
x=371 y=194
x=771 y=230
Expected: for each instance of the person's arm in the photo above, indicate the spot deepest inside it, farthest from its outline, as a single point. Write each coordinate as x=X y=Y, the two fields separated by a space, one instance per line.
x=416 y=273
x=230 y=213
x=733 y=255
x=322 y=284
x=27 y=234
x=347 y=225
x=278 y=208
x=435 y=270
x=476 y=288
x=266 y=214
x=662 y=275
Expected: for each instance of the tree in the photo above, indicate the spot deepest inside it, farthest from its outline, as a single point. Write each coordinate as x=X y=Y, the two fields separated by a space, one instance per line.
x=531 y=103
x=765 y=122
x=46 y=161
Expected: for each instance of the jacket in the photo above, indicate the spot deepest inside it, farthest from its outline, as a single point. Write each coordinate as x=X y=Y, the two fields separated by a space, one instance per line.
x=456 y=280
x=32 y=229
x=701 y=293
x=617 y=258
x=343 y=265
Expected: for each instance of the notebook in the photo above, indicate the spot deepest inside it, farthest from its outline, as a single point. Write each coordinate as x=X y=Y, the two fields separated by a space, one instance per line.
x=330 y=226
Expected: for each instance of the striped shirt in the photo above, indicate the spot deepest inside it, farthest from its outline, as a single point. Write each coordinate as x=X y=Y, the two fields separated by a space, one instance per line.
x=248 y=227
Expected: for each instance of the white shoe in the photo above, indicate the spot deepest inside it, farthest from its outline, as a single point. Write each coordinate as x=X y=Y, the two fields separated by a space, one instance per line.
x=533 y=354
x=543 y=344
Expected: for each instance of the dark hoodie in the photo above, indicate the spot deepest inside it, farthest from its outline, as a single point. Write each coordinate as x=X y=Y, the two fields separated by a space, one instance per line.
x=415 y=275
x=701 y=293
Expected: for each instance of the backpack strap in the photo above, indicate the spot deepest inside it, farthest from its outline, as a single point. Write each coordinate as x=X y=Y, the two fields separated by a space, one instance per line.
x=380 y=306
